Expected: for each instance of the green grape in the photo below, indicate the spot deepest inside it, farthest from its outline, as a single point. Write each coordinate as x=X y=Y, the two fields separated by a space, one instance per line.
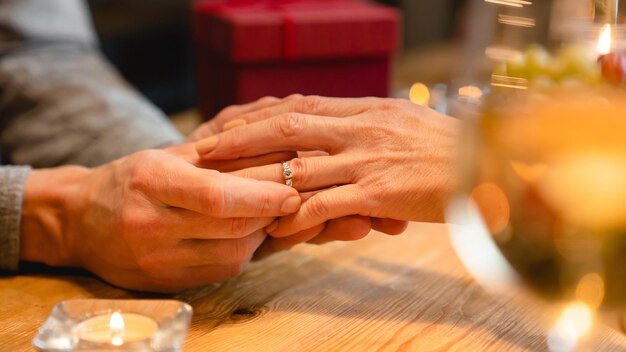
x=537 y=60
x=517 y=67
x=578 y=60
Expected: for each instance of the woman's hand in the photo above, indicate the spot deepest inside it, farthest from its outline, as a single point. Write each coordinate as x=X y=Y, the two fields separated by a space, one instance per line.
x=150 y=221
x=343 y=229
x=387 y=158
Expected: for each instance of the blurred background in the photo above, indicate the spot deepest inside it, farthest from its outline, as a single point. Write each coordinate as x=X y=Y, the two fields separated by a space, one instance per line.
x=150 y=42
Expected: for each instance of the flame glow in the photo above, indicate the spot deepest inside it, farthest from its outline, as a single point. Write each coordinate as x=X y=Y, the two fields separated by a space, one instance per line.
x=604 y=41
x=116 y=327
x=574 y=323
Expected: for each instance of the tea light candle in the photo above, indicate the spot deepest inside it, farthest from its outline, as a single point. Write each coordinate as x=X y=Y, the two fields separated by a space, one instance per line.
x=612 y=63
x=117 y=328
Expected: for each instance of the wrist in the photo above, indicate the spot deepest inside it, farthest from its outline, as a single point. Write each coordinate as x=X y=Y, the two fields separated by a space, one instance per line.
x=49 y=197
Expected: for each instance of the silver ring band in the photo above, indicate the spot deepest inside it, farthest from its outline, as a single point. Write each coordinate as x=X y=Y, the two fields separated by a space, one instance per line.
x=287 y=174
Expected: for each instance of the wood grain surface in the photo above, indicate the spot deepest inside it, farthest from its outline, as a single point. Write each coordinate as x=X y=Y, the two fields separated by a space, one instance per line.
x=403 y=293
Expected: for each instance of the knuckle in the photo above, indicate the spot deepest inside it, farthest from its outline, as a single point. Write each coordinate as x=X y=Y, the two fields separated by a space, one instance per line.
x=239 y=227
x=266 y=204
x=217 y=199
x=317 y=208
x=240 y=251
x=265 y=101
x=229 y=111
x=299 y=170
x=289 y=124
x=309 y=104
x=294 y=96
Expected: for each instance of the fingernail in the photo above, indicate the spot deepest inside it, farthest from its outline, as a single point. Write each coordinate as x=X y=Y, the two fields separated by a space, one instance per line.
x=272 y=227
x=291 y=205
x=206 y=145
x=234 y=123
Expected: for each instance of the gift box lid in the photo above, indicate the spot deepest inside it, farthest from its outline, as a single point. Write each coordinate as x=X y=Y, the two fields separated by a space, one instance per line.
x=270 y=30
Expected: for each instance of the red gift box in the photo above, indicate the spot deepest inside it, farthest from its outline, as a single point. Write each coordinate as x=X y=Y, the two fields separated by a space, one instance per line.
x=248 y=49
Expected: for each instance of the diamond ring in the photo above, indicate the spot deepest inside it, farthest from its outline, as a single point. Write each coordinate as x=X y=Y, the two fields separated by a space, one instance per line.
x=287 y=174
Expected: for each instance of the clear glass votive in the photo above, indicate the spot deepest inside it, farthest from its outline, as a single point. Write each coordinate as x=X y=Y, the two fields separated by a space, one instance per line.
x=115 y=325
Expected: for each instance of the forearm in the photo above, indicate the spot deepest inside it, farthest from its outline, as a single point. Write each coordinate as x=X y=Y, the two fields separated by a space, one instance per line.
x=49 y=198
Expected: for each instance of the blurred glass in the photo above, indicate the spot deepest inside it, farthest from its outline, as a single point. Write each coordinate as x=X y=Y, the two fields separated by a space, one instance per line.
x=543 y=196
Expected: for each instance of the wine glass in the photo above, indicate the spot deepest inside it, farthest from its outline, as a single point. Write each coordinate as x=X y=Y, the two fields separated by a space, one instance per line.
x=542 y=199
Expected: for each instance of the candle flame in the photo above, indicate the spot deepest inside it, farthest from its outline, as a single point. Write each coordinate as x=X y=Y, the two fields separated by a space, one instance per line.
x=116 y=327
x=604 y=42
x=117 y=322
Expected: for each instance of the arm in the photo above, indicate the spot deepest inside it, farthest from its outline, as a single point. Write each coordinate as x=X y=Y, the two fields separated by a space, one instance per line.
x=60 y=102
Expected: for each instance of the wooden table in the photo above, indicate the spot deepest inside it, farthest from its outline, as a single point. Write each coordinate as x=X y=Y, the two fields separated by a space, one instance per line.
x=404 y=293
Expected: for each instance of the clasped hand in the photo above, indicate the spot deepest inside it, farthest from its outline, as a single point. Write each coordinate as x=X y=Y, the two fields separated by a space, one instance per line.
x=373 y=158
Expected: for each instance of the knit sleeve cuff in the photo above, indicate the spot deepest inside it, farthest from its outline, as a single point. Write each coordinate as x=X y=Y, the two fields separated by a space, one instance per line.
x=12 y=179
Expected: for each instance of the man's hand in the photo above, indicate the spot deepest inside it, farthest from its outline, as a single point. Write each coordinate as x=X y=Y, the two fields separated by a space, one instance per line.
x=150 y=221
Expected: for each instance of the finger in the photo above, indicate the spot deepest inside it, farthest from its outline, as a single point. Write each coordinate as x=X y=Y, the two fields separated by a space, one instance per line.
x=220 y=195
x=389 y=226
x=349 y=228
x=215 y=252
x=243 y=163
x=307 y=174
x=313 y=105
x=296 y=132
x=188 y=152
x=186 y=224
x=330 y=204
x=217 y=124
x=274 y=245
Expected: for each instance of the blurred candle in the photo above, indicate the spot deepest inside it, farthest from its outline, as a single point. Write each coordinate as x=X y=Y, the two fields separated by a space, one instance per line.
x=612 y=63
x=117 y=328
x=419 y=94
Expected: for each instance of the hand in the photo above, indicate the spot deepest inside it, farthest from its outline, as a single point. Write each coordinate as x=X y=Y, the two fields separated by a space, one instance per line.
x=348 y=229
x=387 y=158
x=150 y=221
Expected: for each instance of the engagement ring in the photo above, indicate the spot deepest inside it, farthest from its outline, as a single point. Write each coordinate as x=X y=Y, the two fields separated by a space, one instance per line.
x=287 y=174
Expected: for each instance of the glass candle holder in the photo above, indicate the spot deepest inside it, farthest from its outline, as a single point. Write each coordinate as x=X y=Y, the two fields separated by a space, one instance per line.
x=115 y=325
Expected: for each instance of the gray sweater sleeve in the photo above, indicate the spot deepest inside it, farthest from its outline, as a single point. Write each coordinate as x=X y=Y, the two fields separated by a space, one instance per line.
x=60 y=101
x=11 y=189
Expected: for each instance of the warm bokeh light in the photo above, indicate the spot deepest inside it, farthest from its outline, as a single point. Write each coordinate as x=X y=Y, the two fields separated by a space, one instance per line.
x=471 y=93
x=574 y=324
x=494 y=206
x=513 y=3
x=604 y=42
x=517 y=21
x=419 y=94
x=476 y=249
x=116 y=325
x=590 y=290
